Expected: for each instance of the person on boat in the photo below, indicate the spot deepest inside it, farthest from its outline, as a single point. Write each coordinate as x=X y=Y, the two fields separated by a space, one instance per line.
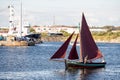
x=87 y=61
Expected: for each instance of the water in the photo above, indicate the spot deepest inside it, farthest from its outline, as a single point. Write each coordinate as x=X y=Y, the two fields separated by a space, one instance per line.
x=32 y=63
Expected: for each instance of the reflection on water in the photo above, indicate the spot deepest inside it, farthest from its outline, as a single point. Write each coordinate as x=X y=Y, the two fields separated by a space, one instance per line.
x=32 y=63
x=59 y=74
x=84 y=74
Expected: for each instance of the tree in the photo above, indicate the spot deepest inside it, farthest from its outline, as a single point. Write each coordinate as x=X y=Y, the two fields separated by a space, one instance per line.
x=32 y=30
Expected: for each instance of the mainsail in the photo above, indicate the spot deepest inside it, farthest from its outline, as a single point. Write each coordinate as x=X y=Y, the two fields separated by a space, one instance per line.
x=87 y=45
x=73 y=53
x=61 y=52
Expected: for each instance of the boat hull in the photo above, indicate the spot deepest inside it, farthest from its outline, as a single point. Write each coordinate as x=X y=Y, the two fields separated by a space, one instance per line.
x=70 y=64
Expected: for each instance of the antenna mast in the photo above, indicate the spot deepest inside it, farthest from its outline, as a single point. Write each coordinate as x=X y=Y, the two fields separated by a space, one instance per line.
x=20 y=32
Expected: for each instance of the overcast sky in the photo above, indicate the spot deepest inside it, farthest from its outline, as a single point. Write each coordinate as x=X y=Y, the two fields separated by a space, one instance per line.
x=63 y=12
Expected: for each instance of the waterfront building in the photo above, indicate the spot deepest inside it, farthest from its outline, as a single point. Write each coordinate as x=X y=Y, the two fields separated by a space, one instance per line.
x=59 y=28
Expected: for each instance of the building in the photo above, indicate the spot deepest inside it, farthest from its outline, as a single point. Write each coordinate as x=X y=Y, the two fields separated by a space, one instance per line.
x=69 y=29
x=55 y=29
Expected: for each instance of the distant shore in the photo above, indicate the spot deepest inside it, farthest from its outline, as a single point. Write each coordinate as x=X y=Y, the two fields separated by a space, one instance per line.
x=62 y=39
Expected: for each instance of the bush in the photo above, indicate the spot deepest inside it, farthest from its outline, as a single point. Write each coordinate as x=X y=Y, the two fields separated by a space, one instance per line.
x=32 y=30
x=65 y=33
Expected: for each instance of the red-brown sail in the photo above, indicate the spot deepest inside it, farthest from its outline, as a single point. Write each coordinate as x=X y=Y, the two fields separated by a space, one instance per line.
x=73 y=53
x=60 y=53
x=87 y=45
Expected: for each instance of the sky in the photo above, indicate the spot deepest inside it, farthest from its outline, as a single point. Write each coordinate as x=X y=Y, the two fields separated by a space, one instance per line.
x=63 y=12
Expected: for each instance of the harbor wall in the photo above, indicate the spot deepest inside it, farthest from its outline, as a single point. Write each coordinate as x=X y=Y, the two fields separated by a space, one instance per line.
x=13 y=43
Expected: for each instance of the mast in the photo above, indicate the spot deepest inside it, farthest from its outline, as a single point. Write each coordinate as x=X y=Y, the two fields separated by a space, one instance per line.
x=20 y=31
x=88 y=46
x=53 y=20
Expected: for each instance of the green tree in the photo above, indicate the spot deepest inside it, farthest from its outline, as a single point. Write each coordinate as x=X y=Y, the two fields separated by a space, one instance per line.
x=32 y=30
x=65 y=33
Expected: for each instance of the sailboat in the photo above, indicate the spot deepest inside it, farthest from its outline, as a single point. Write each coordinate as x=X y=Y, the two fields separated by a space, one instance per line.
x=89 y=52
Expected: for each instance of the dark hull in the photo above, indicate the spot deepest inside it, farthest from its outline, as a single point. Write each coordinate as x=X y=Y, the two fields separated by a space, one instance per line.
x=81 y=65
x=36 y=36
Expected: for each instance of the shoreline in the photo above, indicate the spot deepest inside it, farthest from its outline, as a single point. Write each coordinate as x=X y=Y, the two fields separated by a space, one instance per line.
x=62 y=39
x=107 y=42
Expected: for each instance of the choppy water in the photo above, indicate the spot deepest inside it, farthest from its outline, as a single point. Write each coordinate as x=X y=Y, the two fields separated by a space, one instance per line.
x=32 y=63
